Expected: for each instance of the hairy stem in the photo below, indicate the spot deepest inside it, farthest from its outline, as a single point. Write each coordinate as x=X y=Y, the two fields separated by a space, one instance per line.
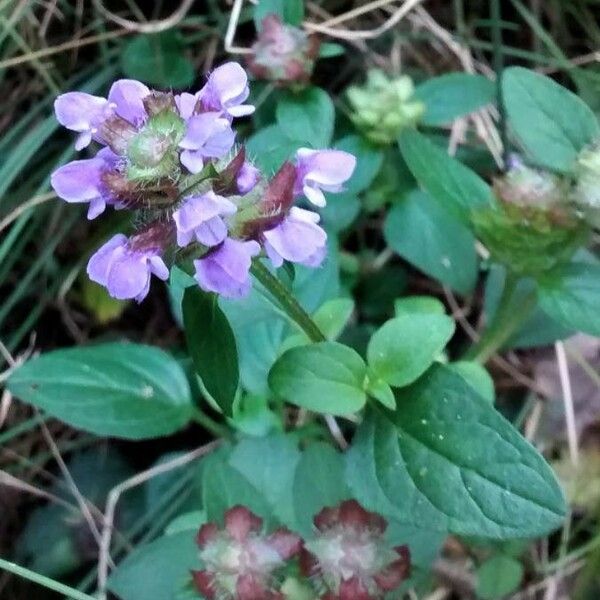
x=44 y=581
x=287 y=301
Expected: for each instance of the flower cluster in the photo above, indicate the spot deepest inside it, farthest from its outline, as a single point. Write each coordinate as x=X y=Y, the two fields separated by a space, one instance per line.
x=533 y=226
x=384 y=106
x=282 y=53
x=239 y=561
x=172 y=159
x=348 y=558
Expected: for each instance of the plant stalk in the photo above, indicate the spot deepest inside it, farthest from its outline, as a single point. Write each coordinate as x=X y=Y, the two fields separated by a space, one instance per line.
x=287 y=301
x=506 y=321
x=46 y=582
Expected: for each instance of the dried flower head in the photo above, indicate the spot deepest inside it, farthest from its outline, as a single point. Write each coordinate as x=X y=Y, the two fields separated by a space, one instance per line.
x=349 y=559
x=240 y=562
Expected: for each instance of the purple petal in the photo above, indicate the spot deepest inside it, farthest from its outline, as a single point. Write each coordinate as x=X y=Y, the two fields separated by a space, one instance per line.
x=128 y=97
x=186 y=103
x=247 y=178
x=226 y=90
x=199 y=209
x=158 y=267
x=79 y=111
x=297 y=238
x=322 y=170
x=97 y=207
x=83 y=140
x=78 y=181
x=212 y=232
x=226 y=270
x=200 y=128
x=129 y=276
x=99 y=263
x=219 y=144
x=192 y=160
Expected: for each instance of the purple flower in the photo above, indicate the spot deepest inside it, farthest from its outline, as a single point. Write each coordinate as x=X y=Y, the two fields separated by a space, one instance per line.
x=186 y=104
x=247 y=177
x=207 y=136
x=127 y=98
x=318 y=170
x=125 y=269
x=82 y=113
x=226 y=269
x=82 y=181
x=226 y=90
x=297 y=238
x=200 y=217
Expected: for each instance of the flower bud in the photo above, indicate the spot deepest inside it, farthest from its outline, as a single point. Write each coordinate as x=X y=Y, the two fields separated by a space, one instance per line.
x=282 y=53
x=384 y=106
x=525 y=186
x=349 y=558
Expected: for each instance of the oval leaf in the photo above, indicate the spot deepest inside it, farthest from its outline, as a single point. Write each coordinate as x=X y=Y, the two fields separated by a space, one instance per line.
x=405 y=347
x=212 y=346
x=447 y=458
x=326 y=377
x=453 y=95
x=448 y=181
x=122 y=390
x=307 y=116
x=551 y=122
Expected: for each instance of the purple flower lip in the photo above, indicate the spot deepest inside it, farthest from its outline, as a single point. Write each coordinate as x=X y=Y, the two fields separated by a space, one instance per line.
x=297 y=238
x=225 y=92
x=225 y=270
x=318 y=170
x=125 y=269
x=82 y=181
x=200 y=217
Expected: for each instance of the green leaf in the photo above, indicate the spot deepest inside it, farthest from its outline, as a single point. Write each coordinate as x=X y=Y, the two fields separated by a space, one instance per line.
x=551 y=122
x=448 y=459
x=369 y=159
x=381 y=391
x=211 y=344
x=271 y=147
x=405 y=347
x=477 y=377
x=498 y=577
x=453 y=95
x=158 y=59
x=318 y=482
x=290 y=11
x=269 y=463
x=418 y=304
x=307 y=116
x=326 y=377
x=429 y=237
x=330 y=50
x=448 y=181
x=138 y=576
x=571 y=296
x=122 y=390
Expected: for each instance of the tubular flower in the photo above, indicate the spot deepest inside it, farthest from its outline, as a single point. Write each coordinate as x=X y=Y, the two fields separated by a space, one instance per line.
x=173 y=157
x=282 y=53
x=349 y=558
x=239 y=561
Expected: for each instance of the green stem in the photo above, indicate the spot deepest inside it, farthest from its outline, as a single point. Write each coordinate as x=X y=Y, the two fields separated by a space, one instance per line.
x=46 y=582
x=218 y=430
x=287 y=302
x=506 y=321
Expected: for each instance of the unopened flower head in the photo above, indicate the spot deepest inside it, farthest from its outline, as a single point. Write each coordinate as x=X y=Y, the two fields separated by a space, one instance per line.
x=349 y=559
x=283 y=54
x=525 y=186
x=240 y=562
x=384 y=106
x=173 y=159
